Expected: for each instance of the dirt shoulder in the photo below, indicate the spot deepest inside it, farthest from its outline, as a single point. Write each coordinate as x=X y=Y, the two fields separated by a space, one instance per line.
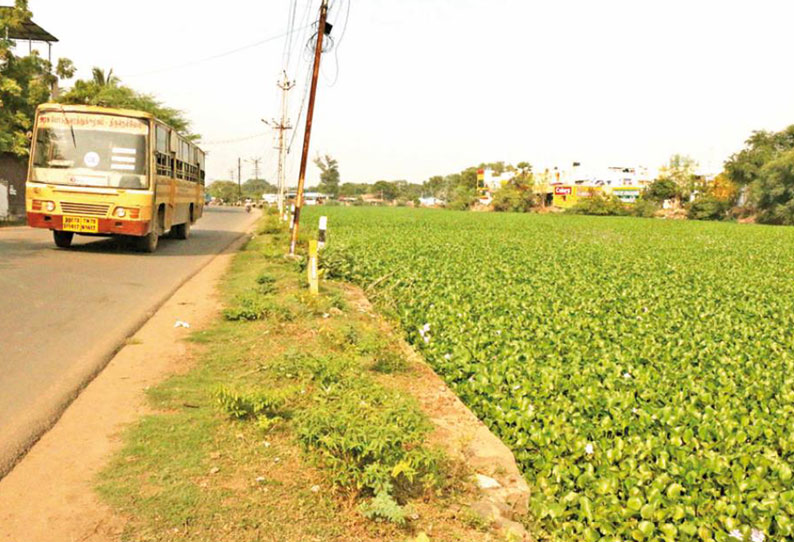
x=49 y=495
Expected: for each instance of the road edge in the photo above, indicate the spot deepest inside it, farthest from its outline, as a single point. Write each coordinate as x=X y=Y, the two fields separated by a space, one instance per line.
x=89 y=366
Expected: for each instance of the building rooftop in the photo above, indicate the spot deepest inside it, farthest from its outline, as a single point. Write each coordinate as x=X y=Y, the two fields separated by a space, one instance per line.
x=28 y=30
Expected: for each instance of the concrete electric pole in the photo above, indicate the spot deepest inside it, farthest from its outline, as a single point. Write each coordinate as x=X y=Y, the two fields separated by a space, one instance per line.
x=282 y=126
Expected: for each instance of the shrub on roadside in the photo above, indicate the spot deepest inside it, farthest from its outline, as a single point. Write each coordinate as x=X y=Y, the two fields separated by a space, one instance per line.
x=370 y=439
x=253 y=306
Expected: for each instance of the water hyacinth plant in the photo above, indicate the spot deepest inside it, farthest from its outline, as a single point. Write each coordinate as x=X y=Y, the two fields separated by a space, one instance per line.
x=641 y=371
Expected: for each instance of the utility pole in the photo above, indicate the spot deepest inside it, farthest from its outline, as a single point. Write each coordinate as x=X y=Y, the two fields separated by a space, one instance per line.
x=255 y=161
x=285 y=85
x=239 y=178
x=318 y=50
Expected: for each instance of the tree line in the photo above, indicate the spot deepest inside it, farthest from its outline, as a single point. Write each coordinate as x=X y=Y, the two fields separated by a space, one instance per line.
x=28 y=81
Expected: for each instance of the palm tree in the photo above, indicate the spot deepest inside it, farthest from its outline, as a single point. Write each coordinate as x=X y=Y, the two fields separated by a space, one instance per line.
x=99 y=77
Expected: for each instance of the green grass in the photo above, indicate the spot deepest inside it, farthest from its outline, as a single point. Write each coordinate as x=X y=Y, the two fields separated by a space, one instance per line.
x=266 y=437
x=640 y=370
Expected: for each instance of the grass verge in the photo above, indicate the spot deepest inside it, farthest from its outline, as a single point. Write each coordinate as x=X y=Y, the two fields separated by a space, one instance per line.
x=284 y=430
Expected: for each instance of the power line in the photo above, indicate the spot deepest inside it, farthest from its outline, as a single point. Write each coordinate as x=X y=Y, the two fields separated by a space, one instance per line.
x=220 y=55
x=286 y=55
x=234 y=140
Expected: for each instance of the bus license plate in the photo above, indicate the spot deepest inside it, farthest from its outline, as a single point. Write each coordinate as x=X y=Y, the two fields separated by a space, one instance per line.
x=80 y=224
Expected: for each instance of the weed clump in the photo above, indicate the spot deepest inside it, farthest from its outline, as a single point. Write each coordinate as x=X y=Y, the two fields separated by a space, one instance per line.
x=269 y=403
x=370 y=440
x=388 y=361
x=250 y=307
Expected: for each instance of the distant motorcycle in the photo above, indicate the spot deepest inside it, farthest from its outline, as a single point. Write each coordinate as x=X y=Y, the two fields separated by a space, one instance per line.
x=247 y=207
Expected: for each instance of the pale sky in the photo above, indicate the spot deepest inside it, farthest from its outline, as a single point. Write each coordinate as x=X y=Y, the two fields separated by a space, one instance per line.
x=424 y=87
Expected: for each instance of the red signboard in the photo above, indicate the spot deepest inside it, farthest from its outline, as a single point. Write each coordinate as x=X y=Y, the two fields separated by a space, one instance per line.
x=562 y=190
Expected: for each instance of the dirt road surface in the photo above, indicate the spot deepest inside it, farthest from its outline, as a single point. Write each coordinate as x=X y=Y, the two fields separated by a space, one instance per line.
x=64 y=313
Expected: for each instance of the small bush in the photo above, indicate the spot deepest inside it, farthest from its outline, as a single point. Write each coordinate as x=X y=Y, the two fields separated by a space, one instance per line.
x=265 y=278
x=267 y=284
x=644 y=208
x=707 y=207
x=384 y=507
x=370 y=440
x=512 y=199
x=599 y=205
x=324 y=370
x=269 y=403
x=250 y=307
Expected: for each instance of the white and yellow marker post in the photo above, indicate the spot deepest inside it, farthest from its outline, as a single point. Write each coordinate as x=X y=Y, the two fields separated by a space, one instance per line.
x=311 y=269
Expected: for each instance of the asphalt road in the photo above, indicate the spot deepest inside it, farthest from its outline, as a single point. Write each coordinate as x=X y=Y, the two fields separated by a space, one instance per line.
x=64 y=313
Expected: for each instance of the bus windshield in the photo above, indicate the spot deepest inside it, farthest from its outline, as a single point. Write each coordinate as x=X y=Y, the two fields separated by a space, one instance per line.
x=84 y=149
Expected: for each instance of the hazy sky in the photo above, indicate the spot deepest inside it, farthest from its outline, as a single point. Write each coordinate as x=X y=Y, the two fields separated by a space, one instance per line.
x=424 y=87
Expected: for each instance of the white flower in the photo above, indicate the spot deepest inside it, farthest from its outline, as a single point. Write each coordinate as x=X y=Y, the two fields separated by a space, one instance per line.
x=589 y=449
x=757 y=536
x=635 y=410
x=426 y=339
x=737 y=534
x=626 y=375
x=516 y=387
x=447 y=357
x=426 y=327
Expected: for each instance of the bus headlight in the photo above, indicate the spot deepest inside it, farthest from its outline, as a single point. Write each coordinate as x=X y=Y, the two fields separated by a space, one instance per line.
x=49 y=206
x=121 y=212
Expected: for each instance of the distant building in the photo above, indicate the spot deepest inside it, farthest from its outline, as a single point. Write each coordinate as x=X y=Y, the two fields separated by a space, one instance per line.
x=430 y=201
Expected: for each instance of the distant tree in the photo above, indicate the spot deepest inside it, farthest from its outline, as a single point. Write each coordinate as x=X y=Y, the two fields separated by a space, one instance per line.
x=744 y=167
x=510 y=198
x=773 y=190
x=386 y=190
x=254 y=188
x=329 y=175
x=225 y=190
x=496 y=167
x=354 y=189
x=106 y=90
x=435 y=186
x=462 y=198
x=661 y=189
x=524 y=168
x=65 y=68
x=724 y=189
x=25 y=82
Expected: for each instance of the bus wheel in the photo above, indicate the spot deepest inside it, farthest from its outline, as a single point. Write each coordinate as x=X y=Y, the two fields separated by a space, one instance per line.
x=148 y=243
x=63 y=239
x=181 y=231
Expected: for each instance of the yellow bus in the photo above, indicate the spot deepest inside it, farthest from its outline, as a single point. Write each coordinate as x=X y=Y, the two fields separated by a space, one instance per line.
x=112 y=172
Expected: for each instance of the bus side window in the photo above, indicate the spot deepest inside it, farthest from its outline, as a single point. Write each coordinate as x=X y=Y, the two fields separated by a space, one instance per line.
x=162 y=155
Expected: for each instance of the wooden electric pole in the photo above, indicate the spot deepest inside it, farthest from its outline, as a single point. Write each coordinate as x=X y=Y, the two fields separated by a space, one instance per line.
x=318 y=50
x=239 y=178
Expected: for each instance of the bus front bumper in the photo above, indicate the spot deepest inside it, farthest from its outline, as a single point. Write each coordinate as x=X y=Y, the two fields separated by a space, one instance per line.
x=106 y=226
